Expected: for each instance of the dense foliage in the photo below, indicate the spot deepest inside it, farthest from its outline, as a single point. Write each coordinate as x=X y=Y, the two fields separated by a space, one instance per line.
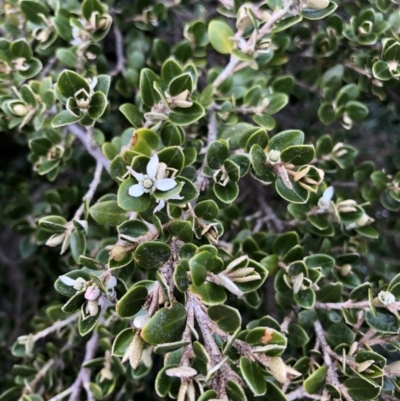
x=199 y=200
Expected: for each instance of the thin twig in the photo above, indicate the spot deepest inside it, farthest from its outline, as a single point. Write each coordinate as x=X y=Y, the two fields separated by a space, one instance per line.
x=59 y=324
x=91 y=191
x=394 y=306
x=332 y=377
x=119 y=50
x=83 y=378
x=233 y=62
x=92 y=148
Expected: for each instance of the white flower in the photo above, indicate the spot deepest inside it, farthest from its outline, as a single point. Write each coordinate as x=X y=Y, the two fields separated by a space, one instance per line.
x=148 y=183
x=154 y=179
x=325 y=200
x=77 y=284
x=386 y=297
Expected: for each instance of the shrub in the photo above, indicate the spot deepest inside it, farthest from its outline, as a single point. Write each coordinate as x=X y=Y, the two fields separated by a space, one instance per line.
x=187 y=175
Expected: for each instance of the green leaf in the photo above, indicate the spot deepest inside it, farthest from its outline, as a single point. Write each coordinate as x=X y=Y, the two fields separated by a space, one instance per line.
x=85 y=326
x=122 y=341
x=152 y=254
x=181 y=230
x=381 y=71
x=67 y=290
x=226 y=317
x=199 y=266
x=297 y=336
x=286 y=23
x=132 y=301
x=32 y=11
x=298 y=155
x=297 y=194
x=162 y=349
x=383 y=322
x=357 y=111
x=207 y=210
x=180 y=84
x=235 y=391
x=144 y=141
x=147 y=92
x=169 y=70
x=209 y=293
x=305 y=298
x=40 y=146
x=316 y=14
x=228 y=193
x=285 y=139
x=108 y=213
x=253 y=376
x=34 y=67
x=217 y=153
x=91 y=6
x=53 y=224
x=186 y=116
x=181 y=279
x=75 y=302
x=130 y=203
x=21 y=48
x=221 y=36
x=64 y=118
x=98 y=104
x=361 y=390
x=132 y=114
x=339 y=333
x=77 y=244
x=316 y=380
x=173 y=157
x=166 y=325
x=69 y=82
x=276 y=102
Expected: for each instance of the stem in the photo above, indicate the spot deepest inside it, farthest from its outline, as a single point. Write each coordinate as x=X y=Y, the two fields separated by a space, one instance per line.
x=59 y=324
x=326 y=352
x=92 y=148
x=91 y=191
x=83 y=378
x=355 y=305
x=119 y=50
x=233 y=62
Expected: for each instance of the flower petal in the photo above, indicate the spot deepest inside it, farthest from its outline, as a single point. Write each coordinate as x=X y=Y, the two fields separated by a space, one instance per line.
x=328 y=193
x=136 y=190
x=165 y=184
x=152 y=166
x=67 y=281
x=138 y=176
x=160 y=205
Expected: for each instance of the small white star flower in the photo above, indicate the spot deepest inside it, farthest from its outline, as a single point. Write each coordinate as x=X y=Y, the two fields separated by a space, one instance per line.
x=325 y=200
x=148 y=183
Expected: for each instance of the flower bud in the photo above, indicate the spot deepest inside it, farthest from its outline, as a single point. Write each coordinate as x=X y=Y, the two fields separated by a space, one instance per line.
x=92 y=293
x=274 y=156
x=20 y=110
x=92 y=308
x=386 y=297
x=345 y=270
x=118 y=253
x=55 y=239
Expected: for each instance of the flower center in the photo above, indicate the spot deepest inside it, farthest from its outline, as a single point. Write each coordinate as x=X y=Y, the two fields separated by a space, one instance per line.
x=148 y=183
x=274 y=156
